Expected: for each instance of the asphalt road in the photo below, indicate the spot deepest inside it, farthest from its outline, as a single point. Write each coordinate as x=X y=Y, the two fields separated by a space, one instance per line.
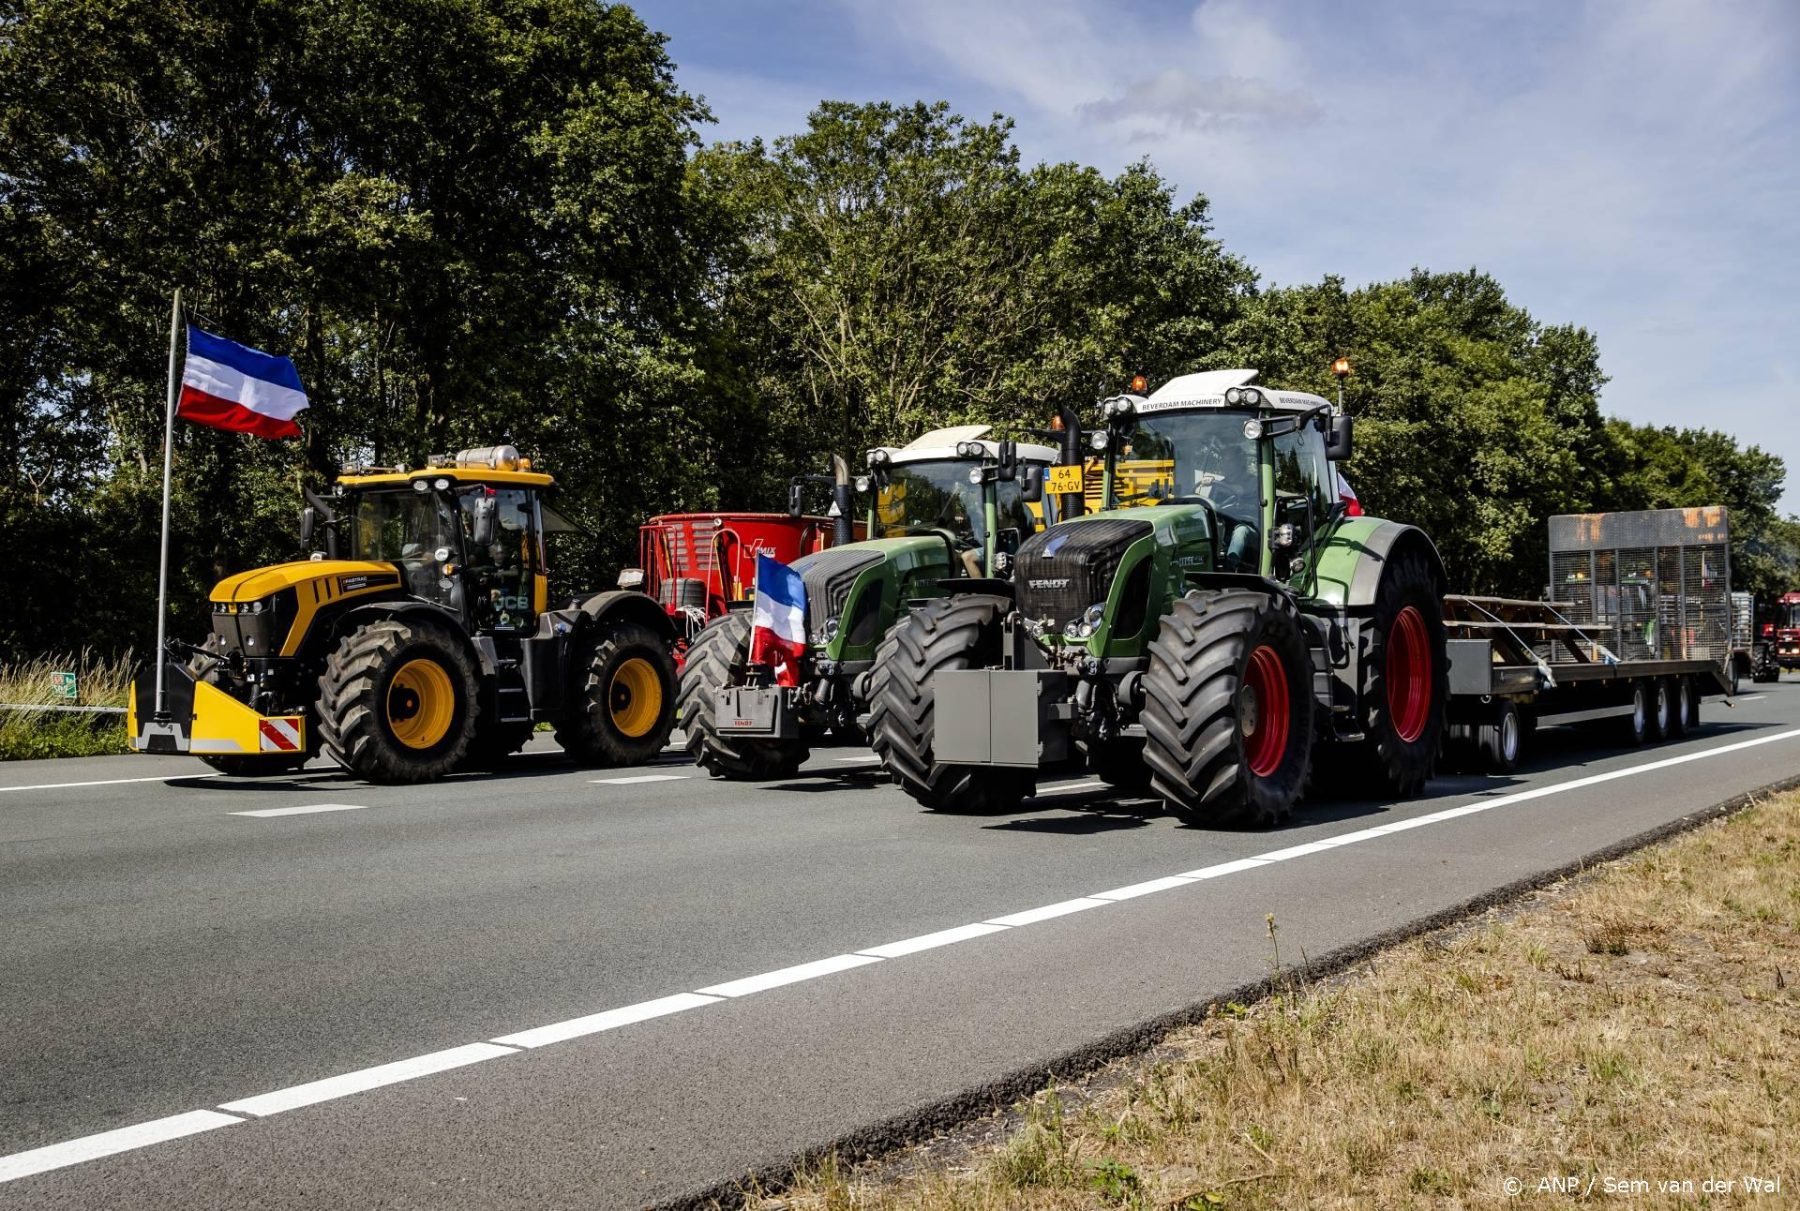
x=173 y=967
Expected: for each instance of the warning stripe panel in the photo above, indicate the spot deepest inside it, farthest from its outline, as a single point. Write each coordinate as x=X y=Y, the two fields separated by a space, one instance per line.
x=281 y=735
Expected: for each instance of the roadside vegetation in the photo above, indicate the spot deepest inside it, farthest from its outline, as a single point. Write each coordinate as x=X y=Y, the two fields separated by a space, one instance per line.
x=26 y=735
x=1637 y=1024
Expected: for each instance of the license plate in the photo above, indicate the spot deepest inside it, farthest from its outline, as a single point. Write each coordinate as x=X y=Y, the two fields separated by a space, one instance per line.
x=1062 y=480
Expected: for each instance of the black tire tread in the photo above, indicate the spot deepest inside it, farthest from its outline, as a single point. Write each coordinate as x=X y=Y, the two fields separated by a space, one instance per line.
x=718 y=658
x=585 y=730
x=1394 y=766
x=349 y=712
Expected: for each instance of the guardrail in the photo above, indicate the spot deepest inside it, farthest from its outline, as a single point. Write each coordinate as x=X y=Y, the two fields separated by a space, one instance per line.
x=27 y=707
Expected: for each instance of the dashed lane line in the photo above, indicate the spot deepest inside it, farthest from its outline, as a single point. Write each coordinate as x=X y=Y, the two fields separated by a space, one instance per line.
x=108 y=1143
x=633 y=781
x=264 y=813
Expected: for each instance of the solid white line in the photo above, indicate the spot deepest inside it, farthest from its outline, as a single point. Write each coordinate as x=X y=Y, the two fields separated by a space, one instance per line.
x=1145 y=888
x=1031 y=916
x=1060 y=787
x=612 y=1019
x=110 y=1143
x=296 y=1096
x=56 y=786
x=1224 y=868
x=931 y=941
x=639 y=778
x=788 y=975
x=307 y=810
x=1748 y=697
x=864 y=760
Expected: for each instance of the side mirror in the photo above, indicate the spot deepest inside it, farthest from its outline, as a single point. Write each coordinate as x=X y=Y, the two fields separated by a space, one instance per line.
x=1338 y=431
x=795 y=500
x=483 y=530
x=309 y=521
x=1032 y=483
x=1009 y=459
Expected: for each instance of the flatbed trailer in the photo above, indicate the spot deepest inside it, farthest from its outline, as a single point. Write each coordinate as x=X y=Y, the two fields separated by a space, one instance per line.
x=1635 y=630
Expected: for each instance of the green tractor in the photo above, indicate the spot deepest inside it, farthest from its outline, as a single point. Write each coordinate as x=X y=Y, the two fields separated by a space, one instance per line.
x=947 y=512
x=1195 y=639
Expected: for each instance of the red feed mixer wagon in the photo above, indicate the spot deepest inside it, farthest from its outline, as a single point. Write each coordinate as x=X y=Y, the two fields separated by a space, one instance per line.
x=697 y=564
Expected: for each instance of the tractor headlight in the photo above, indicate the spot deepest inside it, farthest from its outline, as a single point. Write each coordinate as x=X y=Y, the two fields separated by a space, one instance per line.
x=1252 y=396
x=879 y=458
x=1099 y=439
x=420 y=485
x=1087 y=624
x=1118 y=406
x=976 y=475
x=1253 y=428
x=862 y=483
x=1002 y=563
x=969 y=450
x=829 y=631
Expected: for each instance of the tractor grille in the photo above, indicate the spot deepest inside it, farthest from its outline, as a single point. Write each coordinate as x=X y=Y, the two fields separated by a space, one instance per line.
x=828 y=575
x=1065 y=569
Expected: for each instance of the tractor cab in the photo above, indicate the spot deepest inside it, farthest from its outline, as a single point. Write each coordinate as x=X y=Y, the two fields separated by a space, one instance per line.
x=1257 y=461
x=465 y=532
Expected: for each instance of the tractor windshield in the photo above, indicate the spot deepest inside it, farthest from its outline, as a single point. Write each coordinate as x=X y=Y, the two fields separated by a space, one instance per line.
x=939 y=496
x=1183 y=457
x=404 y=527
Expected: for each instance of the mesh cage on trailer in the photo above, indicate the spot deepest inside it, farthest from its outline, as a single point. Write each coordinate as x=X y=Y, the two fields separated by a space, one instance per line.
x=1655 y=584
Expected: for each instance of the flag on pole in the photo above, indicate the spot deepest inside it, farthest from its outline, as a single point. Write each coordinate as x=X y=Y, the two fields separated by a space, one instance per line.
x=231 y=386
x=1347 y=494
x=778 y=620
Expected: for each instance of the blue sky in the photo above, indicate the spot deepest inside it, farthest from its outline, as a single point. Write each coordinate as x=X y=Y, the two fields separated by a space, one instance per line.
x=1632 y=166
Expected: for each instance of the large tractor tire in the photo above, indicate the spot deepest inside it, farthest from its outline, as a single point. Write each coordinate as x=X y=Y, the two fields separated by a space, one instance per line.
x=398 y=700
x=1766 y=668
x=959 y=632
x=623 y=708
x=235 y=765
x=1405 y=679
x=719 y=658
x=1228 y=709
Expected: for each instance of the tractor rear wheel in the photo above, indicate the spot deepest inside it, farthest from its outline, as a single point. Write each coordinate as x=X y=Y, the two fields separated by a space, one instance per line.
x=1405 y=677
x=624 y=708
x=1228 y=709
x=719 y=658
x=960 y=632
x=397 y=702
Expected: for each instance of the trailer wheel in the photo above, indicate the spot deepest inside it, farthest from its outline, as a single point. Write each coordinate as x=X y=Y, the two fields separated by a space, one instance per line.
x=1405 y=678
x=1635 y=727
x=1662 y=711
x=1228 y=709
x=1503 y=738
x=720 y=658
x=1679 y=695
x=397 y=702
x=623 y=708
x=959 y=632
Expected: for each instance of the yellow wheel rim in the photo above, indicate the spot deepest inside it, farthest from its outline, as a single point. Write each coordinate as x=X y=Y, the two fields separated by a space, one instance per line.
x=421 y=702
x=634 y=699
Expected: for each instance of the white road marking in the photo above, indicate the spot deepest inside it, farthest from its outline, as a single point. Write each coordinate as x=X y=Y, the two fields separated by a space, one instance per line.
x=296 y=1096
x=863 y=760
x=56 y=786
x=931 y=941
x=1747 y=697
x=305 y=810
x=1061 y=787
x=1031 y=916
x=633 y=781
x=110 y=1143
x=788 y=975
x=107 y=1143
x=612 y=1019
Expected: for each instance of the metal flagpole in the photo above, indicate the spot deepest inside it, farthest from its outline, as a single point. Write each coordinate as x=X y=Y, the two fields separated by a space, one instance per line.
x=162 y=580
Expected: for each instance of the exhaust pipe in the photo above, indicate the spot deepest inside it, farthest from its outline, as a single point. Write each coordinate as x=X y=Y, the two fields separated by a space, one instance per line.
x=840 y=497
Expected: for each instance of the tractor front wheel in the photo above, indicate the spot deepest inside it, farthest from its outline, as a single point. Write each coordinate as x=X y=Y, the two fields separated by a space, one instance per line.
x=719 y=659
x=960 y=632
x=624 y=707
x=1405 y=677
x=1228 y=709
x=397 y=702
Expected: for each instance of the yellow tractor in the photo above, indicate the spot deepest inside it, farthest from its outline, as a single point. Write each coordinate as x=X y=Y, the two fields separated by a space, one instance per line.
x=418 y=642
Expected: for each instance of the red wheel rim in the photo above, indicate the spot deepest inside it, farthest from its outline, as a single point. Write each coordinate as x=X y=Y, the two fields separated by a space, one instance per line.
x=1409 y=674
x=1264 y=713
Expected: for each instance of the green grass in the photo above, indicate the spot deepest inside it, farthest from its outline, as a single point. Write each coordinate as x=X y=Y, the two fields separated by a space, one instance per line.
x=28 y=735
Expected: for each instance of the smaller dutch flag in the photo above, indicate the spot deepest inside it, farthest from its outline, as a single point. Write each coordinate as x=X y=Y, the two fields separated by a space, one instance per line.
x=778 y=620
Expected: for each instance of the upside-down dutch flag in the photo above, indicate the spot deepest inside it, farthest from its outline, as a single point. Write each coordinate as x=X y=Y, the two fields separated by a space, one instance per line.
x=232 y=386
x=1347 y=494
x=778 y=620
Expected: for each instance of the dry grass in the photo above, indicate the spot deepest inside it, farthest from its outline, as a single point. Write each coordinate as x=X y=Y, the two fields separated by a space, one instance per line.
x=1640 y=1023
x=102 y=682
